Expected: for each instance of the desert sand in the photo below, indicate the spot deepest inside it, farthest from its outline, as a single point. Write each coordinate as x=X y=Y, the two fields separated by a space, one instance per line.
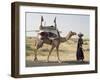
x=67 y=52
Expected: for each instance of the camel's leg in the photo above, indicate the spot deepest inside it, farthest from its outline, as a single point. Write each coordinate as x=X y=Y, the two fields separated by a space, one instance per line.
x=57 y=43
x=50 y=53
x=35 y=59
x=39 y=45
x=57 y=48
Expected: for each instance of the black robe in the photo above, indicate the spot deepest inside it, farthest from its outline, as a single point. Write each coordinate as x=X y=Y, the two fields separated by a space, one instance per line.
x=79 y=53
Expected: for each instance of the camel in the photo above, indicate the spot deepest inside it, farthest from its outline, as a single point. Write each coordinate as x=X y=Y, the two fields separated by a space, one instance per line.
x=54 y=44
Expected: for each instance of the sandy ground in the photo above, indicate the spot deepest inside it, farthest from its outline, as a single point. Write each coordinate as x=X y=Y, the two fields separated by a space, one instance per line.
x=67 y=52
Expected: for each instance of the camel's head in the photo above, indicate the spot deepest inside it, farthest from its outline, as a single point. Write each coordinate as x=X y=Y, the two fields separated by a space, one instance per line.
x=72 y=33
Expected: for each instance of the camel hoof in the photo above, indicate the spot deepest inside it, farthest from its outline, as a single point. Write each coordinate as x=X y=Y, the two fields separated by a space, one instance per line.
x=47 y=61
x=35 y=59
x=59 y=61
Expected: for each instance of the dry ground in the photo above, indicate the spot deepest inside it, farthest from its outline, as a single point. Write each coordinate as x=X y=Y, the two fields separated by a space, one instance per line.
x=67 y=51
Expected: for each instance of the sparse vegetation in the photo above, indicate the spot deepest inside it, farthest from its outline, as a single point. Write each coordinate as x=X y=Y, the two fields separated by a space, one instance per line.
x=67 y=50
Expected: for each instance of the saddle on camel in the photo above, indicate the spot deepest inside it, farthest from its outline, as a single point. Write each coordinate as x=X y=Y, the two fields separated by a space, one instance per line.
x=48 y=32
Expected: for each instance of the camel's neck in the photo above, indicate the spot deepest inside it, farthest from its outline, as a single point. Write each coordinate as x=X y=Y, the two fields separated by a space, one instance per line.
x=63 y=39
x=68 y=37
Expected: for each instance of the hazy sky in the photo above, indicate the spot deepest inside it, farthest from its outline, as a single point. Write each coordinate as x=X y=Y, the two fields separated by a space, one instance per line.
x=65 y=23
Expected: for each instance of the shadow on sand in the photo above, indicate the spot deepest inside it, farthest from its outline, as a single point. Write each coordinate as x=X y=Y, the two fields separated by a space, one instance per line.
x=53 y=63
